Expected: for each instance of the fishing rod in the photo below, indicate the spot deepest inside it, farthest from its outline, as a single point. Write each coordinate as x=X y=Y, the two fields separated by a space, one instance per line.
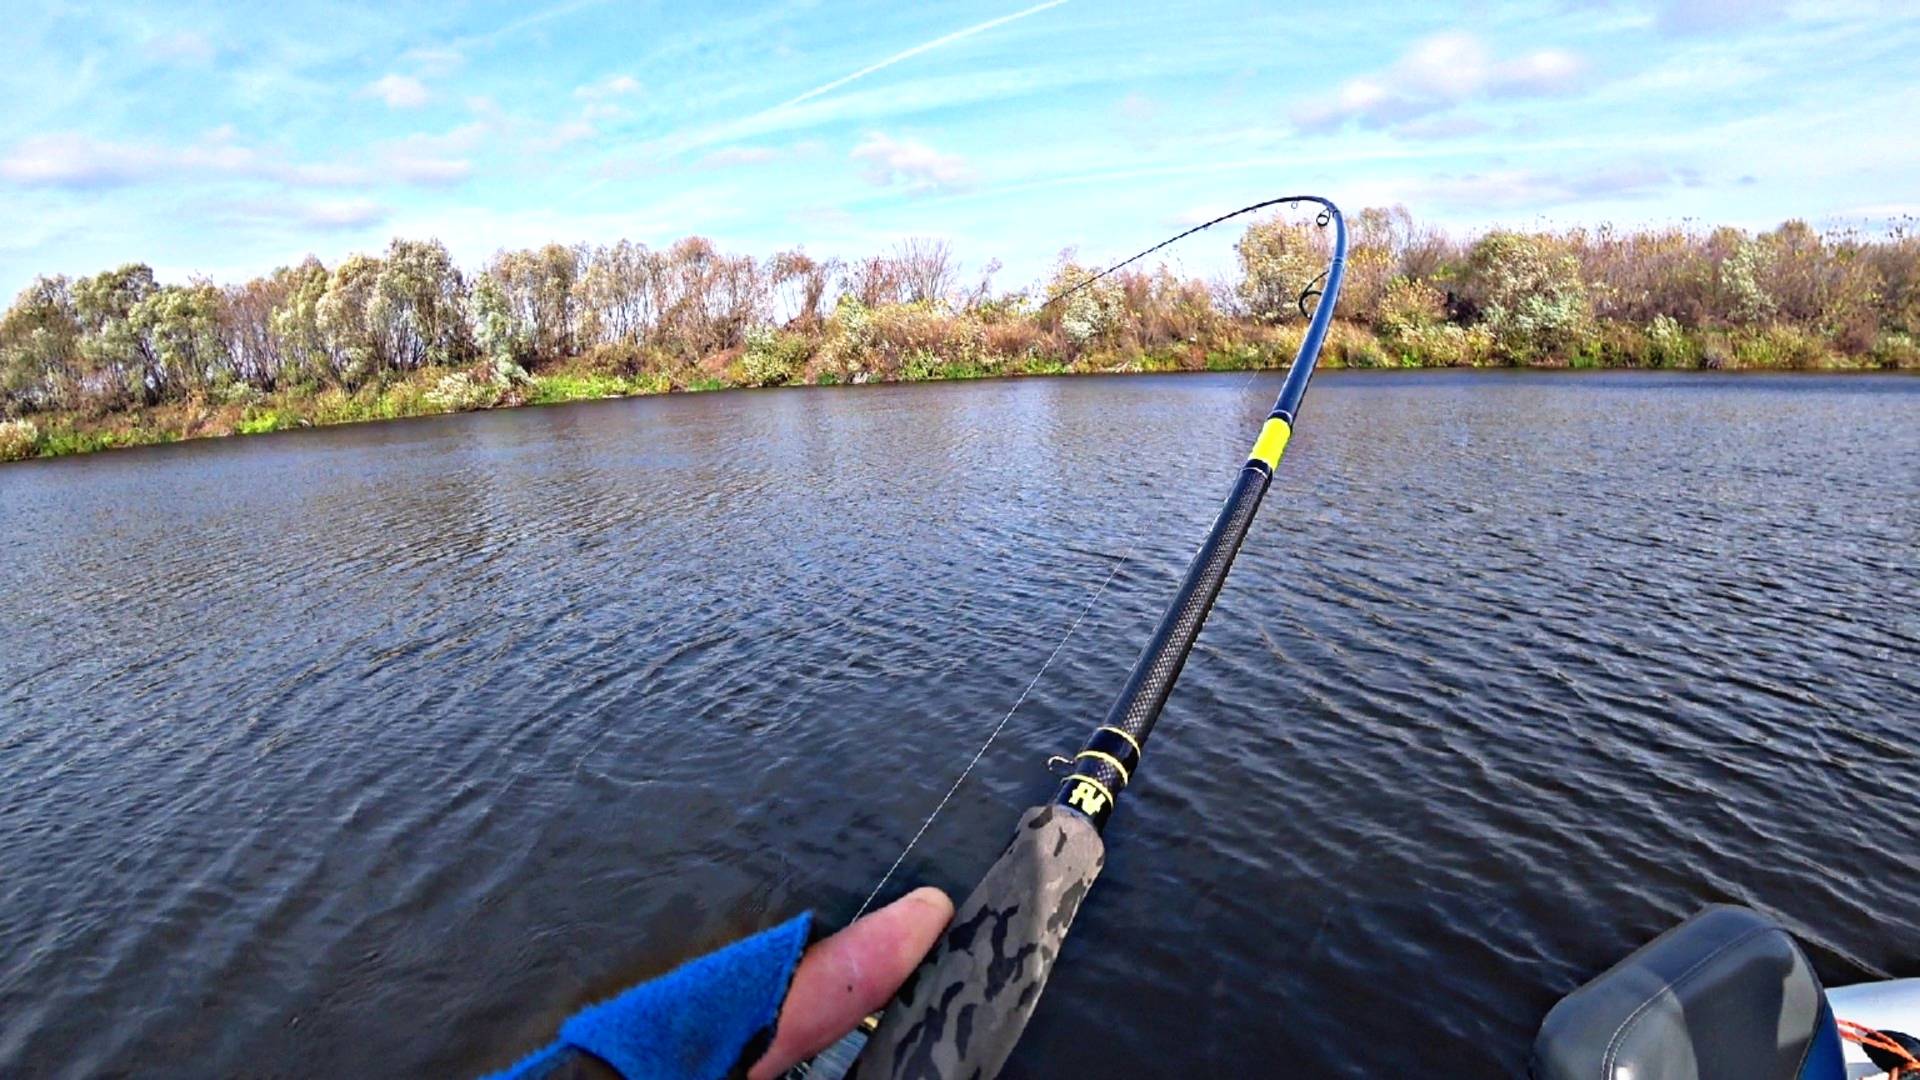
x=962 y=1012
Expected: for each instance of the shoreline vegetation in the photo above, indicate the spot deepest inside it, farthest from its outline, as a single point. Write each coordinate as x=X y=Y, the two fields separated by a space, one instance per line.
x=119 y=359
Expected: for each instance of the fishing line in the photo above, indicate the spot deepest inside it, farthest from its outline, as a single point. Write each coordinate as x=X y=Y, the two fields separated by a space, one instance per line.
x=1323 y=219
x=994 y=734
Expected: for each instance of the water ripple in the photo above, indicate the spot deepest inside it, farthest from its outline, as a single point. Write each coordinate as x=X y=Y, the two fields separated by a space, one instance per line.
x=473 y=719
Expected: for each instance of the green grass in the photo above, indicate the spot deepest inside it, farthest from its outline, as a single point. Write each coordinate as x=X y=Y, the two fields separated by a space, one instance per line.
x=558 y=387
x=265 y=421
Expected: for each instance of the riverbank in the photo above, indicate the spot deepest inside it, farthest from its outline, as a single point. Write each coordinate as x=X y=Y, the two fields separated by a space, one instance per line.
x=436 y=390
x=121 y=359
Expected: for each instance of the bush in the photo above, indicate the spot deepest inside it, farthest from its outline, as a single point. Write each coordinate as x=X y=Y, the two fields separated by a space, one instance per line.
x=914 y=340
x=1409 y=306
x=1776 y=347
x=775 y=357
x=1094 y=314
x=1668 y=345
x=1531 y=298
x=1278 y=259
x=19 y=439
x=1445 y=345
x=1896 y=351
x=459 y=391
x=1351 y=346
x=1011 y=340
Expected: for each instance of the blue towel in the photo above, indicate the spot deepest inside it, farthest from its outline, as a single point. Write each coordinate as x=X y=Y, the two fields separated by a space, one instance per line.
x=693 y=1023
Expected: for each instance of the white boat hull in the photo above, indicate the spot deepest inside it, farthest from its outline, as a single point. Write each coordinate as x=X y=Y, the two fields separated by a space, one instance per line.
x=1892 y=1005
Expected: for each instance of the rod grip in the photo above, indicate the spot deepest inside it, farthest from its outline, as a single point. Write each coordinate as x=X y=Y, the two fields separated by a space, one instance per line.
x=961 y=1013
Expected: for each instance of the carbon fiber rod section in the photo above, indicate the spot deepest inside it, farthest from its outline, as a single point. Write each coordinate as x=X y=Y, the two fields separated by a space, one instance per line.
x=1105 y=765
x=1097 y=779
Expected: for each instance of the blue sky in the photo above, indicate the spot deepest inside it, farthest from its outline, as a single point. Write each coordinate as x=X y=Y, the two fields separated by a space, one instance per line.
x=224 y=140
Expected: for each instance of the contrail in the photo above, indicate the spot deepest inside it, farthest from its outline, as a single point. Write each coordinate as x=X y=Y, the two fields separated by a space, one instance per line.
x=928 y=46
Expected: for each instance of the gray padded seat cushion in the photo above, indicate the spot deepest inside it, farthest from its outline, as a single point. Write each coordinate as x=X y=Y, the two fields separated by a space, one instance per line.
x=1725 y=994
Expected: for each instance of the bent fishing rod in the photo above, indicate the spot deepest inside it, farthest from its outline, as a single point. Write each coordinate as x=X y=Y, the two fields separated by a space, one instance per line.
x=962 y=1012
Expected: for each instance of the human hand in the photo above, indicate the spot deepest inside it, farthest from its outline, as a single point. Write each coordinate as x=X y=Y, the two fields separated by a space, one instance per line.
x=844 y=978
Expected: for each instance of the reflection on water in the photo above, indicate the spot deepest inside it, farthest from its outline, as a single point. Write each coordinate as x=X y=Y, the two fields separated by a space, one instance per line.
x=377 y=750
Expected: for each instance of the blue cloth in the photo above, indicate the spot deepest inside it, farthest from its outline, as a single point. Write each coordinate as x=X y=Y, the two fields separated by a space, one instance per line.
x=693 y=1023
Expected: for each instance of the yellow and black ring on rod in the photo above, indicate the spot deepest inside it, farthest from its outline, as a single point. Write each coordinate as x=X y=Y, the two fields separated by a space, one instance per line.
x=1098 y=775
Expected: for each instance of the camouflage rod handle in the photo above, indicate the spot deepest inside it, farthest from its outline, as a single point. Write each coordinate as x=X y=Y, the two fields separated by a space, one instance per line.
x=961 y=1013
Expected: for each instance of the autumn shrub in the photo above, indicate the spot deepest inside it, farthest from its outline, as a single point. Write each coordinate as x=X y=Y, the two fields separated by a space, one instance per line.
x=460 y=391
x=617 y=358
x=1011 y=339
x=1353 y=346
x=775 y=357
x=1278 y=260
x=915 y=339
x=337 y=406
x=1668 y=344
x=1408 y=306
x=1741 y=295
x=18 y=439
x=1530 y=296
x=1776 y=346
x=1614 y=344
x=1896 y=351
x=1085 y=313
x=1444 y=345
x=847 y=343
x=1637 y=276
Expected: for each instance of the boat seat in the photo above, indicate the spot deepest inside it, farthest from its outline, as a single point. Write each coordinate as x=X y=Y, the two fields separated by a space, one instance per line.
x=1725 y=995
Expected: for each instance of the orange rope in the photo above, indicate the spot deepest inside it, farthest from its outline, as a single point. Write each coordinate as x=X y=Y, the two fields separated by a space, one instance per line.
x=1866 y=1036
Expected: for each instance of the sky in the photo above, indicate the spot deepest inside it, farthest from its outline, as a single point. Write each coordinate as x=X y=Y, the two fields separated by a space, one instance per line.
x=222 y=140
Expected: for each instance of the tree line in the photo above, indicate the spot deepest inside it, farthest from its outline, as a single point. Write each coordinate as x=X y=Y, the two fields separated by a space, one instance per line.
x=122 y=341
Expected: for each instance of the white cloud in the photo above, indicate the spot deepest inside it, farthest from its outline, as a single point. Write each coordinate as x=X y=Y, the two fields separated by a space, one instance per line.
x=1547 y=71
x=183 y=47
x=923 y=47
x=1443 y=127
x=1539 y=188
x=326 y=215
x=1438 y=73
x=457 y=140
x=1139 y=108
x=911 y=164
x=279 y=216
x=74 y=160
x=739 y=155
x=342 y=213
x=610 y=87
x=430 y=171
x=1705 y=16
x=398 y=91
x=565 y=133
x=80 y=162
x=432 y=60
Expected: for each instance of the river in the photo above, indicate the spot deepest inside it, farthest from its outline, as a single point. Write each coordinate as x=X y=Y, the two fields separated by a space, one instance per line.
x=377 y=750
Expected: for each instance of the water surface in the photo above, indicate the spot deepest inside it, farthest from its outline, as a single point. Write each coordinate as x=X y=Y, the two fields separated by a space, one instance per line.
x=377 y=750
